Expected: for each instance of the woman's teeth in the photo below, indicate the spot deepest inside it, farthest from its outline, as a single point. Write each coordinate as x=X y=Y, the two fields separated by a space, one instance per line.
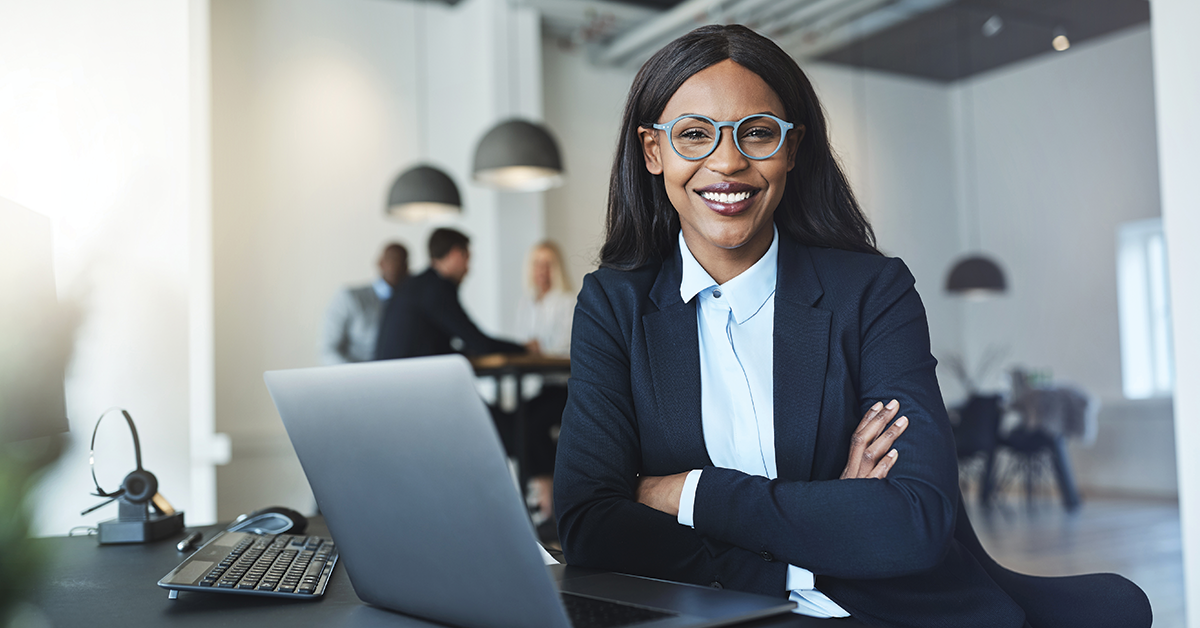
x=719 y=197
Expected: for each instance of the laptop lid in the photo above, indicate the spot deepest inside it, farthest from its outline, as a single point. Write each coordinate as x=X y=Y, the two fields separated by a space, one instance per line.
x=410 y=474
x=405 y=463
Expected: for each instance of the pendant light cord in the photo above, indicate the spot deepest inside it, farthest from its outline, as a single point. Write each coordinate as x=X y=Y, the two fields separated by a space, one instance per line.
x=513 y=78
x=975 y=226
x=421 y=82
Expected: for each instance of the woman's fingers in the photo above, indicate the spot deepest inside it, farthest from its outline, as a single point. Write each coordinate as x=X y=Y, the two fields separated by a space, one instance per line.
x=884 y=465
x=869 y=429
x=883 y=443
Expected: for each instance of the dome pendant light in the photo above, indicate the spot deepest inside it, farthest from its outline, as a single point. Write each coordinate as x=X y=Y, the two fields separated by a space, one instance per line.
x=423 y=191
x=519 y=156
x=976 y=276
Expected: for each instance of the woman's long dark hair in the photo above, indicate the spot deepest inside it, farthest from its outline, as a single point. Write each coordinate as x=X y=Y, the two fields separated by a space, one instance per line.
x=818 y=208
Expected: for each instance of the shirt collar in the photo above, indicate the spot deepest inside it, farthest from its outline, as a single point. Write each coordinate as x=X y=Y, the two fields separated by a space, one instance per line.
x=382 y=289
x=746 y=293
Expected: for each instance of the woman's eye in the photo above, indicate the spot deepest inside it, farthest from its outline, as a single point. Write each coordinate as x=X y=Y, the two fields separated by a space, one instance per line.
x=759 y=133
x=693 y=135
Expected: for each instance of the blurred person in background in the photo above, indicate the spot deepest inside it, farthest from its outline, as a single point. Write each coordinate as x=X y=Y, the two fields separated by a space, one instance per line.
x=352 y=319
x=426 y=318
x=544 y=323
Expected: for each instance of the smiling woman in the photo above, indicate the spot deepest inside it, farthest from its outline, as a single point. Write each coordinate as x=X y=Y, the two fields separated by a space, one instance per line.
x=816 y=206
x=725 y=198
x=741 y=323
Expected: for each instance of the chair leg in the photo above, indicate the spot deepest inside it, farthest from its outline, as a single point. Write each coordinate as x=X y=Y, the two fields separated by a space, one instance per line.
x=1029 y=465
x=1062 y=472
x=987 y=484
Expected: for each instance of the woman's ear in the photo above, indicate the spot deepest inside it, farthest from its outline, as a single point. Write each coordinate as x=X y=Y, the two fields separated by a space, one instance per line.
x=793 y=145
x=651 y=150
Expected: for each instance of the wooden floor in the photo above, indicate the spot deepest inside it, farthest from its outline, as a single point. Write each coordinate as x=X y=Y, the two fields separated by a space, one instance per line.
x=1139 y=539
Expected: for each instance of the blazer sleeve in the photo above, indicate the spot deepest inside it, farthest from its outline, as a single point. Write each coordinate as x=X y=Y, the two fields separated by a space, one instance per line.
x=599 y=458
x=387 y=341
x=858 y=528
x=445 y=311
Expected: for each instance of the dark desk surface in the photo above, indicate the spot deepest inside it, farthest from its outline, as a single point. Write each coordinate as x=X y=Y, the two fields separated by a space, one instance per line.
x=87 y=584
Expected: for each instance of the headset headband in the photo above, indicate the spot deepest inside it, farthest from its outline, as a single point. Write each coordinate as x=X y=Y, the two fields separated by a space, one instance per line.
x=137 y=451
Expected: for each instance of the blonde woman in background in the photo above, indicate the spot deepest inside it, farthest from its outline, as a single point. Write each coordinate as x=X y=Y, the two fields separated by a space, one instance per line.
x=544 y=324
x=544 y=313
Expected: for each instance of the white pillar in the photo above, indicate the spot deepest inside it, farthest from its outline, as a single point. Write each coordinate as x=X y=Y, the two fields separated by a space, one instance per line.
x=1177 y=95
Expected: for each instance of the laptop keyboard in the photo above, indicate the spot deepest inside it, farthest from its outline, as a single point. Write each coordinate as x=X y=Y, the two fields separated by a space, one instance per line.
x=283 y=565
x=586 y=612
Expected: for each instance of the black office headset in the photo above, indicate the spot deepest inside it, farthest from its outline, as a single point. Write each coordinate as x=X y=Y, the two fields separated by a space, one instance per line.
x=139 y=487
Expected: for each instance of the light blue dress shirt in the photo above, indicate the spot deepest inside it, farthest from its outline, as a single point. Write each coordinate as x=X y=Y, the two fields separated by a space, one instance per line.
x=383 y=289
x=736 y=322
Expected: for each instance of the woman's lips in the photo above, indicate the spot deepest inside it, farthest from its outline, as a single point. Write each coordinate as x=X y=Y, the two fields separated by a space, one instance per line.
x=726 y=198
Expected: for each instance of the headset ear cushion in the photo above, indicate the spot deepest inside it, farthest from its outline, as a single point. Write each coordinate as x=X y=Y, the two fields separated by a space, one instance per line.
x=140 y=486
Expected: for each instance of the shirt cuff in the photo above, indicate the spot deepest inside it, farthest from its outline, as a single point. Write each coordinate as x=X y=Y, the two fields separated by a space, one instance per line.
x=809 y=601
x=816 y=604
x=687 y=498
x=799 y=578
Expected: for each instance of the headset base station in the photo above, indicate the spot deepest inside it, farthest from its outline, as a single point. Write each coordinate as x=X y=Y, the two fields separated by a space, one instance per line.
x=152 y=529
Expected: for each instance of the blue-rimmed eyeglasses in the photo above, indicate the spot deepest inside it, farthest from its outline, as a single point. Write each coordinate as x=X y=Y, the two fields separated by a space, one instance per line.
x=757 y=136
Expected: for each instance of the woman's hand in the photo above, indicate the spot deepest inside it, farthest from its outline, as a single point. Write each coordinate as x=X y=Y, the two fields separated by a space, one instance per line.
x=871 y=455
x=661 y=492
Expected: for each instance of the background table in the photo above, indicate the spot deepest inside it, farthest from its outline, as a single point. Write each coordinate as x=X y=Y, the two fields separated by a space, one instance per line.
x=502 y=365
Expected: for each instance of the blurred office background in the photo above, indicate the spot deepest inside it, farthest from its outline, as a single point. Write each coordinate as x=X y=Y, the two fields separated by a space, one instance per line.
x=216 y=169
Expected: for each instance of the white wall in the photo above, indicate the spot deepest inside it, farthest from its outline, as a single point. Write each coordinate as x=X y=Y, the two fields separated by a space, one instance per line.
x=316 y=109
x=1177 y=92
x=1066 y=151
x=98 y=104
x=1065 y=148
x=584 y=103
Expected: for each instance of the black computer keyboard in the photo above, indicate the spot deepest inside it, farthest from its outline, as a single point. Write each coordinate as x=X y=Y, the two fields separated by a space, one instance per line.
x=586 y=612
x=284 y=565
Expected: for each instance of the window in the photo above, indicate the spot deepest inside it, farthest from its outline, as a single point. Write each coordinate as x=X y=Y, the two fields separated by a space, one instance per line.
x=1144 y=300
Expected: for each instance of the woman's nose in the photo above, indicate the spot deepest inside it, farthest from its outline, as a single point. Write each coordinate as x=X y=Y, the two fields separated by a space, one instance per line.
x=726 y=158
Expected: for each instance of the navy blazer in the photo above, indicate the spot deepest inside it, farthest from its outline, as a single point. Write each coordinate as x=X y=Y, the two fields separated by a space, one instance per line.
x=422 y=318
x=850 y=330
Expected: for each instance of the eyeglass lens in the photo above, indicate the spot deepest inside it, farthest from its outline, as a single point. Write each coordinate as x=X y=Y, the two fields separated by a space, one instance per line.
x=755 y=137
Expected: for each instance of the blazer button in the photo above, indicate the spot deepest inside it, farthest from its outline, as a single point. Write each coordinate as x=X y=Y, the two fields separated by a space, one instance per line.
x=767 y=556
x=716 y=585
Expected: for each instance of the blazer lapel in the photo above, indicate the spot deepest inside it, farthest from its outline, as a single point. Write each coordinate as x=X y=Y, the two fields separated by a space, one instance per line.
x=673 y=345
x=801 y=355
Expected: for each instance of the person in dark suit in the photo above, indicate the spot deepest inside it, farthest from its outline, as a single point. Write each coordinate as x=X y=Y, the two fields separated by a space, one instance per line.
x=741 y=323
x=425 y=317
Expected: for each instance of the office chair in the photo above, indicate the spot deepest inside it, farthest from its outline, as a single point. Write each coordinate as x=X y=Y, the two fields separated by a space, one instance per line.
x=1035 y=451
x=975 y=438
x=1049 y=415
x=1098 y=600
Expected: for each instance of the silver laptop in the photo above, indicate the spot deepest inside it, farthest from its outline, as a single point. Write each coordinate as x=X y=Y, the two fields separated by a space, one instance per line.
x=410 y=475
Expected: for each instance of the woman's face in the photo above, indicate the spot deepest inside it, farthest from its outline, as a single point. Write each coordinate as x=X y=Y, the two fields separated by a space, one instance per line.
x=543 y=265
x=725 y=201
